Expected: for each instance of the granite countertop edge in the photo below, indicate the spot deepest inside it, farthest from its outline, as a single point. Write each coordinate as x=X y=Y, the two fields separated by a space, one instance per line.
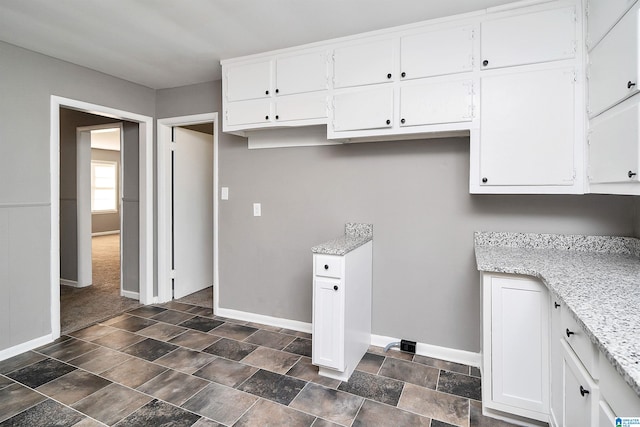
x=576 y=269
x=341 y=245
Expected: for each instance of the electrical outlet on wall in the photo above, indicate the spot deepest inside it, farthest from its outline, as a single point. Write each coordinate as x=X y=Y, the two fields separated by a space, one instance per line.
x=257 y=209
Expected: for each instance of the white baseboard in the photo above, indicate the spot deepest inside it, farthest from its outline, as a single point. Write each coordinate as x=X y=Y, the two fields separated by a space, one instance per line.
x=444 y=353
x=25 y=346
x=69 y=283
x=130 y=294
x=105 y=233
x=265 y=320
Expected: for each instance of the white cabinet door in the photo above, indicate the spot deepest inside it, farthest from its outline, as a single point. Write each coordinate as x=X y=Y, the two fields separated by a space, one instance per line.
x=613 y=65
x=520 y=343
x=249 y=81
x=527 y=39
x=436 y=53
x=328 y=323
x=614 y=139
x=367 y=109
x=301 y=107
x=580 y=392
x=438 y=102
x=602 y=16
x=301 y=73
x=248 y=112
x=527 y=128
x=364 y=64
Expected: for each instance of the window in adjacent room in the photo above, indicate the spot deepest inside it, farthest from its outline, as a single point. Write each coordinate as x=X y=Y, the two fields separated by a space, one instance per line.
x=104 y=186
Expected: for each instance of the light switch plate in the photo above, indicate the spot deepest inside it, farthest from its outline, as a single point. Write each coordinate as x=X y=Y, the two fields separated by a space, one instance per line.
x=257 y=209
x=224 y=193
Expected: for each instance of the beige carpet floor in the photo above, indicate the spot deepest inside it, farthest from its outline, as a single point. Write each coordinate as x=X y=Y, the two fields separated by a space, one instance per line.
x=80 y=307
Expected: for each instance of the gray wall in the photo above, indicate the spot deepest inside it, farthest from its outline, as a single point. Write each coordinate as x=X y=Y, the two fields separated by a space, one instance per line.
x=426 y=287
x=130 y=237
x=28 y=81
x=105 y=222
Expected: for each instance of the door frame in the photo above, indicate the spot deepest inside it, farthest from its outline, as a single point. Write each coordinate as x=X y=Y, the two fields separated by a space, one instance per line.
x=164 y=201
x=146 y=197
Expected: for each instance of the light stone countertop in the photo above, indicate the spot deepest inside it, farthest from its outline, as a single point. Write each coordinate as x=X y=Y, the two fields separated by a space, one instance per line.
x=597 y=278
x=355 y=236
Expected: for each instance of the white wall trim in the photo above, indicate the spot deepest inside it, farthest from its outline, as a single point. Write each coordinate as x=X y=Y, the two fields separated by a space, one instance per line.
x=130 y=294
x=104 y=233
x=146 y=198
x=25 y=346
x=444 y=353
x=164 y=201
x=84 y=265
x=265 y=320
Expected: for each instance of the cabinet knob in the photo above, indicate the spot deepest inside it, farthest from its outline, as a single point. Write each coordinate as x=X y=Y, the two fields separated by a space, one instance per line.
x=266 y=92
x=389 y=75
x=402 y=121
x=277 y=90
x=485 y=63
x=630 y=84
x=326 y=266
x=277 y=117
x=266 y=117
x=569 y=333
x=556 y=305
x=403 y=74
x=335 y=287
x=631 y=174
x=484 y=180
x=583 y=391
x=388 y=122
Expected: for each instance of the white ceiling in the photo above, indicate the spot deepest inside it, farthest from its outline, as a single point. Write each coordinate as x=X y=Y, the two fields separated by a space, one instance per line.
x=170 y=43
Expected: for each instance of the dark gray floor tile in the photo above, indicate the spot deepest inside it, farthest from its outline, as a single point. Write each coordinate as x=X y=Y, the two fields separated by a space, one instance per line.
x=92 y=332
x=161 y=331
x=414 y=373
x=370 y=363
x=175 y=305
x=150 y=349
x=134 y=372
x=69 y=349
x=272 y=386
x=377 y=414
x=88 y=422
x=112 y=403
x=442 y=364
x=230 y=349
x=99 y=360
x=147 y=311
x=201 y=324
x=74 y=386
x=475 y=372
x=435 y=405
x=234 y=331
x=20 y=361
x=460 y=385
x=332 y=405
x=301 y=346
x=173 y=386
x=267 y=413
x=270 y=339
x=16 y=398
x=133 y=323
x=226 y=372
x=436 y=423
x=220 y=403
x=118 y=339
x=184 y=360
x=476 y=419
x=157 y=413
x=201 y=311
x=271 y=360
x=172 y=316
x=47 y=413
x=385 y=390
x=5 y=382
x=41 y=372
x=195 y=340
x=305 y=370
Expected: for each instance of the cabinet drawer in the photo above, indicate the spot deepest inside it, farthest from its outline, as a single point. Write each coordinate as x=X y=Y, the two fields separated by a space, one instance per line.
x=328 y=266
x=602 y=16
x=580 y=343
x=581 y=394
x=613 y=65
x=624 y=402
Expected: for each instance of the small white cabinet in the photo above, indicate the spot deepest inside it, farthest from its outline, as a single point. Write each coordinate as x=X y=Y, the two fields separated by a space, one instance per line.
x=341 y=311
x=515 y=348
x=363 y=109
x=364 y=63
x=249 y=81
x=435 y=102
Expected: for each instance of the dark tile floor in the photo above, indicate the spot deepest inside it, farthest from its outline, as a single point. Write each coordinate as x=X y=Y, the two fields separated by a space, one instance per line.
x=177 y=364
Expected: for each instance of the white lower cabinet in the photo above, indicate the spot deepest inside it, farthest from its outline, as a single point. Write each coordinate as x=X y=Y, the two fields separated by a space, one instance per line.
x=580 y=392
x=341 y=311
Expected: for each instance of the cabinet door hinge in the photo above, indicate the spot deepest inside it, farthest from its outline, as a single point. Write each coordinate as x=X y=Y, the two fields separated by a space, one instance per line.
x=172 y=145
x=172 y=274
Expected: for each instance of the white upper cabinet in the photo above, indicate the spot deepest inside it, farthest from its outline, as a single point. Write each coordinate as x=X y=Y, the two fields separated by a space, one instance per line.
x=305 y=106
x=530 y=38
x=613 y=65
x=250 y=112
x=602 y=16
x=363 y=109
x=364 y=63
x=436 y=53
x=431 y=103
x=249 y=81
x=301 y=73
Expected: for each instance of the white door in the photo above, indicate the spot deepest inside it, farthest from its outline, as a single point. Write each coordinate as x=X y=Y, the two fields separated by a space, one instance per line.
x=192 y=211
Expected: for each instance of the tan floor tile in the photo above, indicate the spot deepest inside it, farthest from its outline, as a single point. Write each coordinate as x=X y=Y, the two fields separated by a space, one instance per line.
x=161 y=331
x=329 y=404
x=226 y=372
x=220 y=403
x=112 y=403
x=134 y=372
x=99 y=360
x=184 y=360
x=173 y=386
x=271 y=360
x=267 y=413
x=378 y=414
x=16 y=398
x=435 y=405
x=74 y=386
x=195 y=340
x=414 y=373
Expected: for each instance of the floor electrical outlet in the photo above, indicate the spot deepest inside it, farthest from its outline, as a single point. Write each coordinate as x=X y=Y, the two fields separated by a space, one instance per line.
x=408 y=346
